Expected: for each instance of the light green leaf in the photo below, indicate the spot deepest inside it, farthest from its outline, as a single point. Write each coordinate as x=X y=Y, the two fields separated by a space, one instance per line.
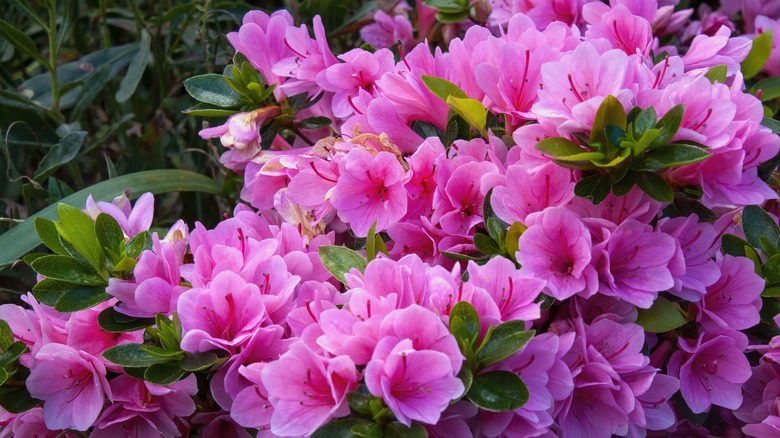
x=79 y=230
x=559 y=147
x=47 y=232
x=471 y=110
x=661 y=317
x=213 y=89
x=759 y=54
x=339 y=260
x=717 y=74
x=442 y=88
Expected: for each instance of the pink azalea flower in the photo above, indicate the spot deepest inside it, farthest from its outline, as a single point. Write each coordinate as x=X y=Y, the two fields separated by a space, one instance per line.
x=530 y=190
x=369 y=189
x=415 y=384
x=307 y=390
x=241 y=135
x=557 y=248
x=734 y=300
x=72 y=384
x=132 y=219
x=764 y=23
x=356 y=74
x=712 y=369
x=694 y=239
x=251 y=407
x=626 y=31
x=223 y=316
x=307 y=58
x=31 y=423
x=458 y=200
x=386 y=30
x=514 y=295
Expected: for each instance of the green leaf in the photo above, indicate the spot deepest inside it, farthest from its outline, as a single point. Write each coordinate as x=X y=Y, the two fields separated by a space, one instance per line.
x=622 y=187
x=339 y=260
x=136 y=69
x=6 y=335
x=110 y=236
x=467 y=377
x=758 y=55
x=767 y=246
x=114 y=322
x=771 y=292
x=513 y=237
x=673 y=155
x=3 y=375
x=442 y=88
x=57 y=267
x=756 y=223
x=131 y=355
x=614 y=134
x=772 y=124
x=661 y=317
x=596 y=187
x=668 y=125
x=198 y=361
x=505 y=339
x=371 y=242
x=138 y=244
x=486 y=245
x=85 y=95
x=772 y=270
x=17 y=399
x=498 y=391
x=427 y=129
x=213 y=89
x=24 y=7
x=206 y=110
x=368 y=429
x=769 y=88
x=559 y=147
x=164 y=352
x=733 y=245
x=497 y=229
x=47 y=232
x=337 y=429
x=21 y=41
x=164 y=373
x=81 y=298
x=461 y=257
x=395 y=429
x=610 y=112
x=451 y=17
x=359 y=402
x=465 y=312
x=315 y=123
x=61 y=153
x=655 y=186
x=12 y=353
x=687 y=207
x=472 y=111
x=717 y=74
x=48 y=291
x=78 y=229
x=645 y=120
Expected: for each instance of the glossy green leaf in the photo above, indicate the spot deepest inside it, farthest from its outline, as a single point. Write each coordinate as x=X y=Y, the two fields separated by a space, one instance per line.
x=206 y=110
x=596 y=187
x=213 y=89
x=368 y=429
x=559 y=147
x=626 y=183
x=655 y=186
x=505 y=339
x=717 y=74
x=758 y=55
x=465 y=312
x=772 y=270
x=644 y=121
x=48 y=291
x=315 y=123
x=673 y=155
x=12 y=353
x=668 y=125
x=110 y=236
x=610 y=112
x=472 y=111
x=114 y=322
x=337 y=429
x=614 y=134
x=467 y=377
x=136 y=69
x=768 y=87
x=79 y=230
x=339 y=260
x=498 y=391
x=733 y=245
x=57 y=267
x=47 y=232
x=395 y=429
x=61 y=153
x=164 y=352
x=198 y=361
x=661 y=317
x=756 y=223
x=442 y=88
x=164 y=373
x=485 y=244
x=513 y=237
x=22 y=42
x=17 y=399
x=772 y=124
x=81 y=298
x=138 y=244
x=359 y=402
x=131 y=355
x=427 y=129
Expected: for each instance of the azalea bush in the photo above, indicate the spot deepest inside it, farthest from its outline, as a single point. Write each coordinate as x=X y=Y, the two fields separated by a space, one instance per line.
x=446 y=219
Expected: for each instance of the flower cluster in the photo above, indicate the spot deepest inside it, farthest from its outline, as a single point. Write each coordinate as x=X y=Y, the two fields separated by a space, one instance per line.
x=548 y=228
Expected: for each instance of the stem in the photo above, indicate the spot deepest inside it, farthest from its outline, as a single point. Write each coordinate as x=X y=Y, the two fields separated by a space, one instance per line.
x=53 y=49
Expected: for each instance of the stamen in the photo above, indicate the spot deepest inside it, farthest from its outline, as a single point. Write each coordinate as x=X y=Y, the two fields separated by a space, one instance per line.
x=308 y=309
x=401 y=51
x=709 y=113
x=311 y=163
x=352 y=104
x=293 y=50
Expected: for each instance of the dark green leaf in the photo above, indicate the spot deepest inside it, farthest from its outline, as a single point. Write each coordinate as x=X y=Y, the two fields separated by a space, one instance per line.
x=337 y=429
x=6 y=335
x=368 y=429
x=136 y=70
x=164 y=373
x=198 y=361
x=78 y=229
x=596 y=187
x=674 y=154
x=138 y=244
x=717 y=74
x=29 y=258
x=772 y=292
x=756 y=223
x=12 y=353
x=339 y=260
x=48 y=291
x=3 y=375
x=395 y=429
x=443 y=88
x=559 y=147
x=314 y=123
x=206 y=110
x=758 y=55
x=622 y=187
x=21 y=41
x=645 y=120
x=427 y=129
x=164 y=352
x=110 y=235
x=459 y=257
x=114 y=322
x=668 y=125
x=614 y=134
x=655 y=186
x=687 y=207
x=485 y=244
x=467 y=377
x=131 y=355
x=769 y=88
x=85 y=95
x=661 y=317
x=17 y=399
x=47 y=232
x=61 y=153
x=687 y=413
x=465 y=312
x=176 y=12
x=213 y=89
x=359 y=402
x=505 y=339
x=57 y=267
x=81 y=298
x=498 y=391
x=772 y=270
x=772 y=124
x=497 y=229
x=24 y=7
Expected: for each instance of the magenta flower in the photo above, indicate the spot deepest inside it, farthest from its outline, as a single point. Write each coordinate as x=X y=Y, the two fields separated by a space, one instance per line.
x=356 y=74
x=514 y=295
x=386 y=30
x=530 y=190
x=223 y=316
x=307 y=390
x=251 y=407
x=734 y=300
x=132 y=219
x=697 y=270
x=633 y=263
x=623 y=28
x=72 y=384
x=712 y=369
x=458 y=200
x=415 y=384
x=369 y=188
x=557 y=249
